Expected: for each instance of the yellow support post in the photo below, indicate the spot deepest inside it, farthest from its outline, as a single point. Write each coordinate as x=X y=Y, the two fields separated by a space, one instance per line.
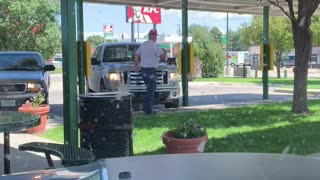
x=179 y=57
x=191 y=57
x=261 y=57
x=271 y=57
x=87 y=45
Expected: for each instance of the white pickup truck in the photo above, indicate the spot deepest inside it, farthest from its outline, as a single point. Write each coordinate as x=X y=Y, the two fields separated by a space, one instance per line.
x=113 y=70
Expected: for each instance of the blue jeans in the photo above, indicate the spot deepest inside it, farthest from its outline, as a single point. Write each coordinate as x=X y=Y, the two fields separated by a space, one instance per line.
x=149 y=76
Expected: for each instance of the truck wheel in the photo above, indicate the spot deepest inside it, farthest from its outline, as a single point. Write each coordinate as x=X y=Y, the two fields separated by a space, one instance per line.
x=173 y=104
x=102 y=86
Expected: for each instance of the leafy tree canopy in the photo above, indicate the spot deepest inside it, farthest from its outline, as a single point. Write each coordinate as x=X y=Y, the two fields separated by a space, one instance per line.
x=208 y=50
x=95 y=40
x=280 y=34
x=315 y=24
x=30 y=26
x=234 y=41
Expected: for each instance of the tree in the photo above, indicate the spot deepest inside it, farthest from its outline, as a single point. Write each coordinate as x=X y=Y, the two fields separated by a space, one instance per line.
x=95 y=40
x=212 y=60
x=30 y=26
x=280 y=36
x=234 y=41
x=216 y=34
x=208 y=50
x=111 y=40
x=302 y=40
x=315 y=29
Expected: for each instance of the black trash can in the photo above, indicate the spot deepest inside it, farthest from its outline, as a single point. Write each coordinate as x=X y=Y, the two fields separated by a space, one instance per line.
x=106 y=124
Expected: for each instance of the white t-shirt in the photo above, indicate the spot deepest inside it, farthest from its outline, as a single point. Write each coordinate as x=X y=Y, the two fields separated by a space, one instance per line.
x=149 y=53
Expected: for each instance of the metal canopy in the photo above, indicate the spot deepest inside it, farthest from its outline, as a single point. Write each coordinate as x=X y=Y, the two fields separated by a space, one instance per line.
x=230 y=6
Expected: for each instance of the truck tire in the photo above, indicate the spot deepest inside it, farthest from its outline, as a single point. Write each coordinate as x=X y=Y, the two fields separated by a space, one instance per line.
x=173 y=104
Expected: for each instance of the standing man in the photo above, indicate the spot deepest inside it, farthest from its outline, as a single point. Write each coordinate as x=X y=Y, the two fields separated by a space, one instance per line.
x=149 y=53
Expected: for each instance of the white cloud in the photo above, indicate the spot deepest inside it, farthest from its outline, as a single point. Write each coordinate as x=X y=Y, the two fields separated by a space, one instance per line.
x=215 y=15
x=171 y=12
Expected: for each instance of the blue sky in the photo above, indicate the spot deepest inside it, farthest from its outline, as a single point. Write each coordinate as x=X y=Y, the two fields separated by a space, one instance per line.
x=96 y=15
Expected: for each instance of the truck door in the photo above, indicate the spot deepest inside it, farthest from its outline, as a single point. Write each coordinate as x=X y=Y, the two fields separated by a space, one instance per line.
x=94 y=79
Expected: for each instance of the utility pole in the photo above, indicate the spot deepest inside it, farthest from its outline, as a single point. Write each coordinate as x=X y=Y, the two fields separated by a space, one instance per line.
x=227 y=39
x=179 y=29
x=265 y=73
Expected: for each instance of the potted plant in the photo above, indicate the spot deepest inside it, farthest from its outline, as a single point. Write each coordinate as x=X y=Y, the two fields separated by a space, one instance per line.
x=190 y=137
x=35 y=106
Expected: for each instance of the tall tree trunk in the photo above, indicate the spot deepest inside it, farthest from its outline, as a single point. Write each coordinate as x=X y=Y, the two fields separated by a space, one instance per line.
x=278 y=63
x=303 y=46
x=278 y=71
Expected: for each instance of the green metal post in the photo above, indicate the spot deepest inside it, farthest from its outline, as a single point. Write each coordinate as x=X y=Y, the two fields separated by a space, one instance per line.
x=69 y=54
x=285 y=73
x=81 y=54
x=265 y=78
x=185 y=55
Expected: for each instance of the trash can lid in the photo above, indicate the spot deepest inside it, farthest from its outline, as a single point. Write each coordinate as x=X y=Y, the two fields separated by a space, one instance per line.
x=105 y=94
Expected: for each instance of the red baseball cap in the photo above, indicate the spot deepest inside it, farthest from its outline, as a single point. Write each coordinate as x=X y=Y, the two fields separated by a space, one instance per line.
x=153 y=32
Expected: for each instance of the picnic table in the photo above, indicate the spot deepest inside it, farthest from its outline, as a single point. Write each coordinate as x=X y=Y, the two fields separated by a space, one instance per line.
x=13 y=121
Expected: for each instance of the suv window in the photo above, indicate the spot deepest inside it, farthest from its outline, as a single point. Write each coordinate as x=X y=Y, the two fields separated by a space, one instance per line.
x=24 y=62
x=119 y=53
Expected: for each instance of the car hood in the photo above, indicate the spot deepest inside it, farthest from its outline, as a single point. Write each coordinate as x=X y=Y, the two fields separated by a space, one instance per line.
x=21 y=76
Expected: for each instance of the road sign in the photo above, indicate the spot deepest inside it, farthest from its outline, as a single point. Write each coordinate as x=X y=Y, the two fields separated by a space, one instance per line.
x=108 y=31
x=224 y=41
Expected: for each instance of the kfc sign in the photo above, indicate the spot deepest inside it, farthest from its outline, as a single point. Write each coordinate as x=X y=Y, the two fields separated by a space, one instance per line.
x=143 y=15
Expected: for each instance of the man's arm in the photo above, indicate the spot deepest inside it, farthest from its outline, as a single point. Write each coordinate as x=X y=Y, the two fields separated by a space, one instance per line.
x=161 y=53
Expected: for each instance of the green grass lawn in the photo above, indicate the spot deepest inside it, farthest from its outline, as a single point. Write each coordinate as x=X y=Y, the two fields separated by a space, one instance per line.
x=268 y=128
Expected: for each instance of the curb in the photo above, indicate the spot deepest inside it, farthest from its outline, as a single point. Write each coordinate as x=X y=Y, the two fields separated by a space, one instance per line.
x=311 y=92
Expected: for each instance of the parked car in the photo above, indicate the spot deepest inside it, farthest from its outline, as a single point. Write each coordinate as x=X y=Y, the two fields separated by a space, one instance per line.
x=22 y=76
x=57 y=60
x=113 y=71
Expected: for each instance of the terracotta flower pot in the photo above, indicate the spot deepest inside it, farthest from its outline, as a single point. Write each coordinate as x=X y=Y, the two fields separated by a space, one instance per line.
x=43 y=112
x=177 y=145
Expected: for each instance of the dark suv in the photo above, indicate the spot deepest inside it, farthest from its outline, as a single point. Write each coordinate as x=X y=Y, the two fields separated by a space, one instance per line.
x=22 y=76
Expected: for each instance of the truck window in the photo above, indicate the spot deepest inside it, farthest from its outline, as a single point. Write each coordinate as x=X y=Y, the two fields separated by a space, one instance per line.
x=96 y=52
x=119 y=53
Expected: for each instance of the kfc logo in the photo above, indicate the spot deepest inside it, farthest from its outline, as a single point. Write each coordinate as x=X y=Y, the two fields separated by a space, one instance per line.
x=107 y=28
x=143 y=15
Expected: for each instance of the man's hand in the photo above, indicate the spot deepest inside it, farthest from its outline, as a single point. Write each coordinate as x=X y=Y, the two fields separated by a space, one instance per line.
x=136 y=68
x=163 y=57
